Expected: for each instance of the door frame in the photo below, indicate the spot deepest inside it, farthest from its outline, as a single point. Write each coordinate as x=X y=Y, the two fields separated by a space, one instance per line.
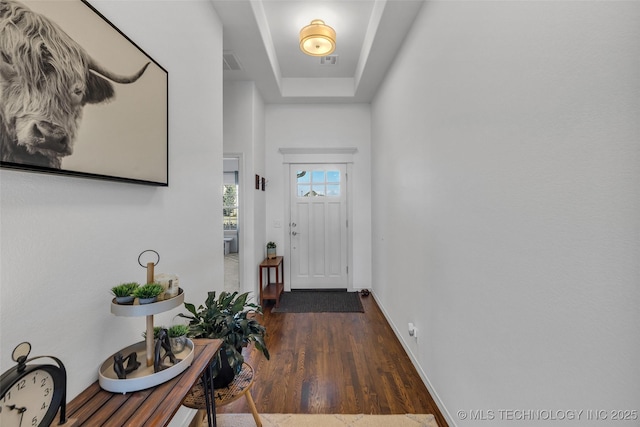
x=241 y=201
x=318 y=156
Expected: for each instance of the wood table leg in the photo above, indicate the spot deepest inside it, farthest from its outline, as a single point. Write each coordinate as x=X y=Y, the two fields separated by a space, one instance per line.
x=253 y=408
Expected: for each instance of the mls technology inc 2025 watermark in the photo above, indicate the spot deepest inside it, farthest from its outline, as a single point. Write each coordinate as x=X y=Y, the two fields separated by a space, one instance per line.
x=548 y=415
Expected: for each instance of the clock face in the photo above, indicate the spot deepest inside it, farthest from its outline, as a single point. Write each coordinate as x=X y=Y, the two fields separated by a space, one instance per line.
x=29 y=401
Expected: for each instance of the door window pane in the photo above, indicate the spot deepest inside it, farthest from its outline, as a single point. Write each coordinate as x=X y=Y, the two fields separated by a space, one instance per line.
x=333 y=190
x=318 y=183
x=303 y=190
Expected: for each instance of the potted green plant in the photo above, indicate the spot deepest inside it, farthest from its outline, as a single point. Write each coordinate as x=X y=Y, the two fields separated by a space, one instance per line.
x=156 y=332
x=271 y=250
x=178 y=337
x=124 y=292
x=148 y=293
x=229 y=317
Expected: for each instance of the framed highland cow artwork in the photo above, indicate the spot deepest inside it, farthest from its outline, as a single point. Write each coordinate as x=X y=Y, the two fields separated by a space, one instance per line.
x=78 y=97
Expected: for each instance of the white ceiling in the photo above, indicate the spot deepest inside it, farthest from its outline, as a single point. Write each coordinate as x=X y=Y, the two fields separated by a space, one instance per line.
x=262 y=36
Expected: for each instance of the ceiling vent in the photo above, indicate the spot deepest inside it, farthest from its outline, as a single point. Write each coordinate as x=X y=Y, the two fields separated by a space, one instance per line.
x=230 y=62
x=329 y=60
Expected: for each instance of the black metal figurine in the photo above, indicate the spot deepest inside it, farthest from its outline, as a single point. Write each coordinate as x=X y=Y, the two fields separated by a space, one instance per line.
x=118 y=364
x=162 y=342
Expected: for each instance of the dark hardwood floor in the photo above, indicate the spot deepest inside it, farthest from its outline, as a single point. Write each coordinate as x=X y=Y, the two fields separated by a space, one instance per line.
x=330 y=363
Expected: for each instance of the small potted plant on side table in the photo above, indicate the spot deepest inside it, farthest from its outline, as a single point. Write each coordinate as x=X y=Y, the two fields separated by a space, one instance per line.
x=148 y=293
x=156 y=332
x=271 y=250
x=124 y=292
x=178 y=337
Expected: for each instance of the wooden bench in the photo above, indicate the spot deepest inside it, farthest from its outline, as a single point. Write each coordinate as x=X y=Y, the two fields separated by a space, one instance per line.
x=151 y=407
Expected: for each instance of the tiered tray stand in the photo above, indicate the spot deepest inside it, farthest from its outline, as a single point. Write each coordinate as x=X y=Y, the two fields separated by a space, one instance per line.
x=144 y=377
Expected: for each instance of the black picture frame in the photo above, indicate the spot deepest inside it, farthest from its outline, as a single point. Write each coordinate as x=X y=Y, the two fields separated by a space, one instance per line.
x=125 y=139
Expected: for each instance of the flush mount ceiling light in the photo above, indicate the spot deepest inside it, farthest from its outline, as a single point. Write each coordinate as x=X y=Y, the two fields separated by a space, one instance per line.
x=317 y=39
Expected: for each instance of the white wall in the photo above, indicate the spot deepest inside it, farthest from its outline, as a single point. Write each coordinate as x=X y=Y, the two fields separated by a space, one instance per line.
x=244 y=136
x=341 y=126
x=507 y=163
x=66 y=241
x=260 y=238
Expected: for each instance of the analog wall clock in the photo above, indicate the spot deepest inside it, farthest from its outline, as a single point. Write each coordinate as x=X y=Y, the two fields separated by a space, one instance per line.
x=32 y=394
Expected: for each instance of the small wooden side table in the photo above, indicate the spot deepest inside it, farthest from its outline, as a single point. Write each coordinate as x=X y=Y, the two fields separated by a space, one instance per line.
x=240 y=386
x=272 y=290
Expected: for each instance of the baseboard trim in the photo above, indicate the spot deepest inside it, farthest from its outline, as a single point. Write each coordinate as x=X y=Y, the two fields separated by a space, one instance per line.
x=423 y=376
x=183 y=417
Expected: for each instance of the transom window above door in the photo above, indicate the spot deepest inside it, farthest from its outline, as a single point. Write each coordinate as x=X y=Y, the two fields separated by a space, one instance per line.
x=318 y=183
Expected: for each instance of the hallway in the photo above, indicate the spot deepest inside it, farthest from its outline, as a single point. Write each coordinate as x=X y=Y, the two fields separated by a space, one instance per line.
x=231 y=272
x=347 y=363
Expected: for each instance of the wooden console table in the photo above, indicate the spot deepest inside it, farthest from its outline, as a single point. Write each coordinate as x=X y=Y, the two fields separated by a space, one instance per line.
x=151 y=407
x=272 y=290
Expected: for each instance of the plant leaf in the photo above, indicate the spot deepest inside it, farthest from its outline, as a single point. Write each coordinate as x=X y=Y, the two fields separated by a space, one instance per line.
x=190 y=308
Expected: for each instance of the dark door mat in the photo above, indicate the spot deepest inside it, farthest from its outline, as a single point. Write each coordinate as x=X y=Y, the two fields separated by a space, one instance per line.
x=319 y=302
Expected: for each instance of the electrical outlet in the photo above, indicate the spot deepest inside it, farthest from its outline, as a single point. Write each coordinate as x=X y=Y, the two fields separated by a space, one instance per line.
x=413 y=331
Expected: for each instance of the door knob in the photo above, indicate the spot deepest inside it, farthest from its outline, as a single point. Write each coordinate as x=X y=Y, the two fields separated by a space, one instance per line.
x=293 y=233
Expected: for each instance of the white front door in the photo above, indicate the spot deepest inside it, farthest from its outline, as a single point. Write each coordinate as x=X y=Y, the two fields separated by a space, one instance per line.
x=318 y=227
